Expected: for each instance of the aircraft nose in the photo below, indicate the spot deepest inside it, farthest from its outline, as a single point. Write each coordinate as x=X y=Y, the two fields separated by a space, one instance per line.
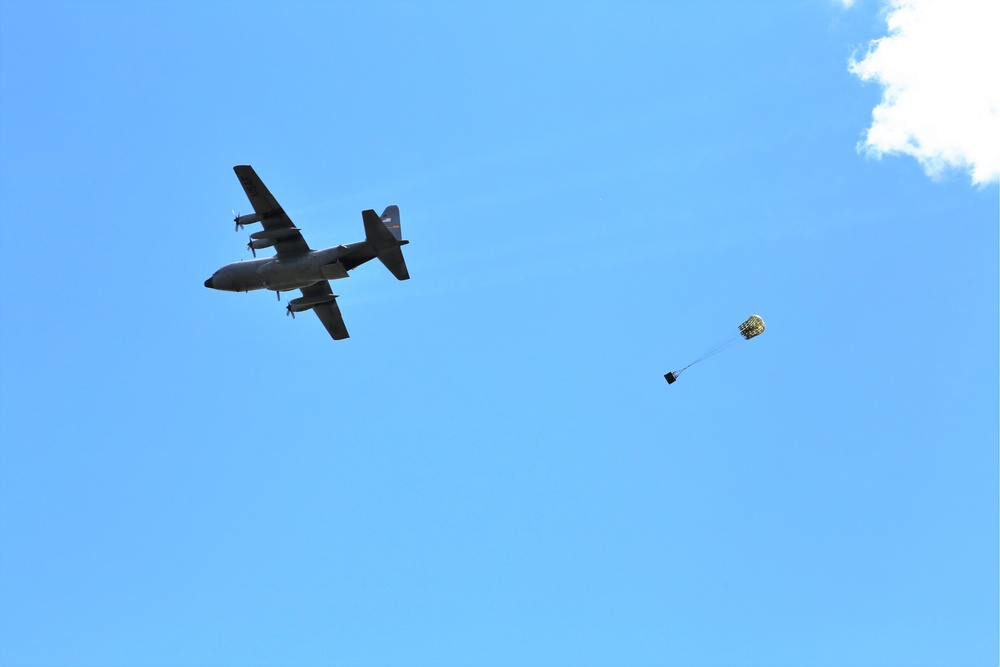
x=208 y=283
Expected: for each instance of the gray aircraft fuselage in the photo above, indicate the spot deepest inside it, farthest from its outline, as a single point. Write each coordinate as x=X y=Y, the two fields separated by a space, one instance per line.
x=290 y=273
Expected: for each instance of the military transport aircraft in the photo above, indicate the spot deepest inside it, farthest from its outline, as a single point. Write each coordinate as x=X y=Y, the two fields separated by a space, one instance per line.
x=295 y=266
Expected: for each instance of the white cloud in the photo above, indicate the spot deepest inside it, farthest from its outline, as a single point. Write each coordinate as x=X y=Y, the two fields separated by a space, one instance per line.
x=940 y=70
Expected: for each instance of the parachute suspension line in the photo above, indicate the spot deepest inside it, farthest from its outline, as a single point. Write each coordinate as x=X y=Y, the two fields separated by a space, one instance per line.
x=723 y=344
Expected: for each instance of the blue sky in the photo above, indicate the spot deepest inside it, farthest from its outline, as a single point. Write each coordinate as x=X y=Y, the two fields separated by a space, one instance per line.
x=491 y=470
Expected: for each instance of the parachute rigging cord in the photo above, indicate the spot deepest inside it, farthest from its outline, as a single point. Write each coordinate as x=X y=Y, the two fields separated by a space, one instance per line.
x=753 y=327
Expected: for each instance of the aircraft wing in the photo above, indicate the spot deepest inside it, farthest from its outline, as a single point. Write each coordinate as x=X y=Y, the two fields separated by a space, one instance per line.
x=277 y=224
x=328 y=313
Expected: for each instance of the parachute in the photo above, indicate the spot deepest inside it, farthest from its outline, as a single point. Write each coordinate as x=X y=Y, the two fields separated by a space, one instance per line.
x=753 y=327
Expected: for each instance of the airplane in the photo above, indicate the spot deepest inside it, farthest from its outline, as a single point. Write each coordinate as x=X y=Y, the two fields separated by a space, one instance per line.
x=296 y=266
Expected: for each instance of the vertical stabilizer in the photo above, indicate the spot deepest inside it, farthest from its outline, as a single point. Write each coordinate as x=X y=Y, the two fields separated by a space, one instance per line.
x=390 y=216
x=385 y=238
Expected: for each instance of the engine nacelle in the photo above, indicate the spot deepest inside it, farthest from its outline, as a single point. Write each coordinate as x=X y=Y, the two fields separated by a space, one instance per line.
x=307 y=302
x=248 y=219
x=276 y=234
x=257 y=244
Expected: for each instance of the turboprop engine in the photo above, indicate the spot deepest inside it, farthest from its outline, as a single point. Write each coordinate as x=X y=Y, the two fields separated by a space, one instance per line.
x=256 y=244
x=304 y=303
x=268 y=237
x=248 y=219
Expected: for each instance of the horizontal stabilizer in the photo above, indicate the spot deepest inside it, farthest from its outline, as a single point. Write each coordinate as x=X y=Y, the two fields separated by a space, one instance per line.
x=385 y=241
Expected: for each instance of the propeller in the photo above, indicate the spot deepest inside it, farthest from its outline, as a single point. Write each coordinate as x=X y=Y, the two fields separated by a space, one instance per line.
x=236 y=219
x=251 y=248
x=289 y=311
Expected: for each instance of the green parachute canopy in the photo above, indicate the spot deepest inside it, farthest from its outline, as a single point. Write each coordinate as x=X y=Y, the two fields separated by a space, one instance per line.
x=753 y=327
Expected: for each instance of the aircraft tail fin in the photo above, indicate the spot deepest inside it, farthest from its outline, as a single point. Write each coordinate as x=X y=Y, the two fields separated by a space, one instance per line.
x=383 y=233
x=390 y=216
